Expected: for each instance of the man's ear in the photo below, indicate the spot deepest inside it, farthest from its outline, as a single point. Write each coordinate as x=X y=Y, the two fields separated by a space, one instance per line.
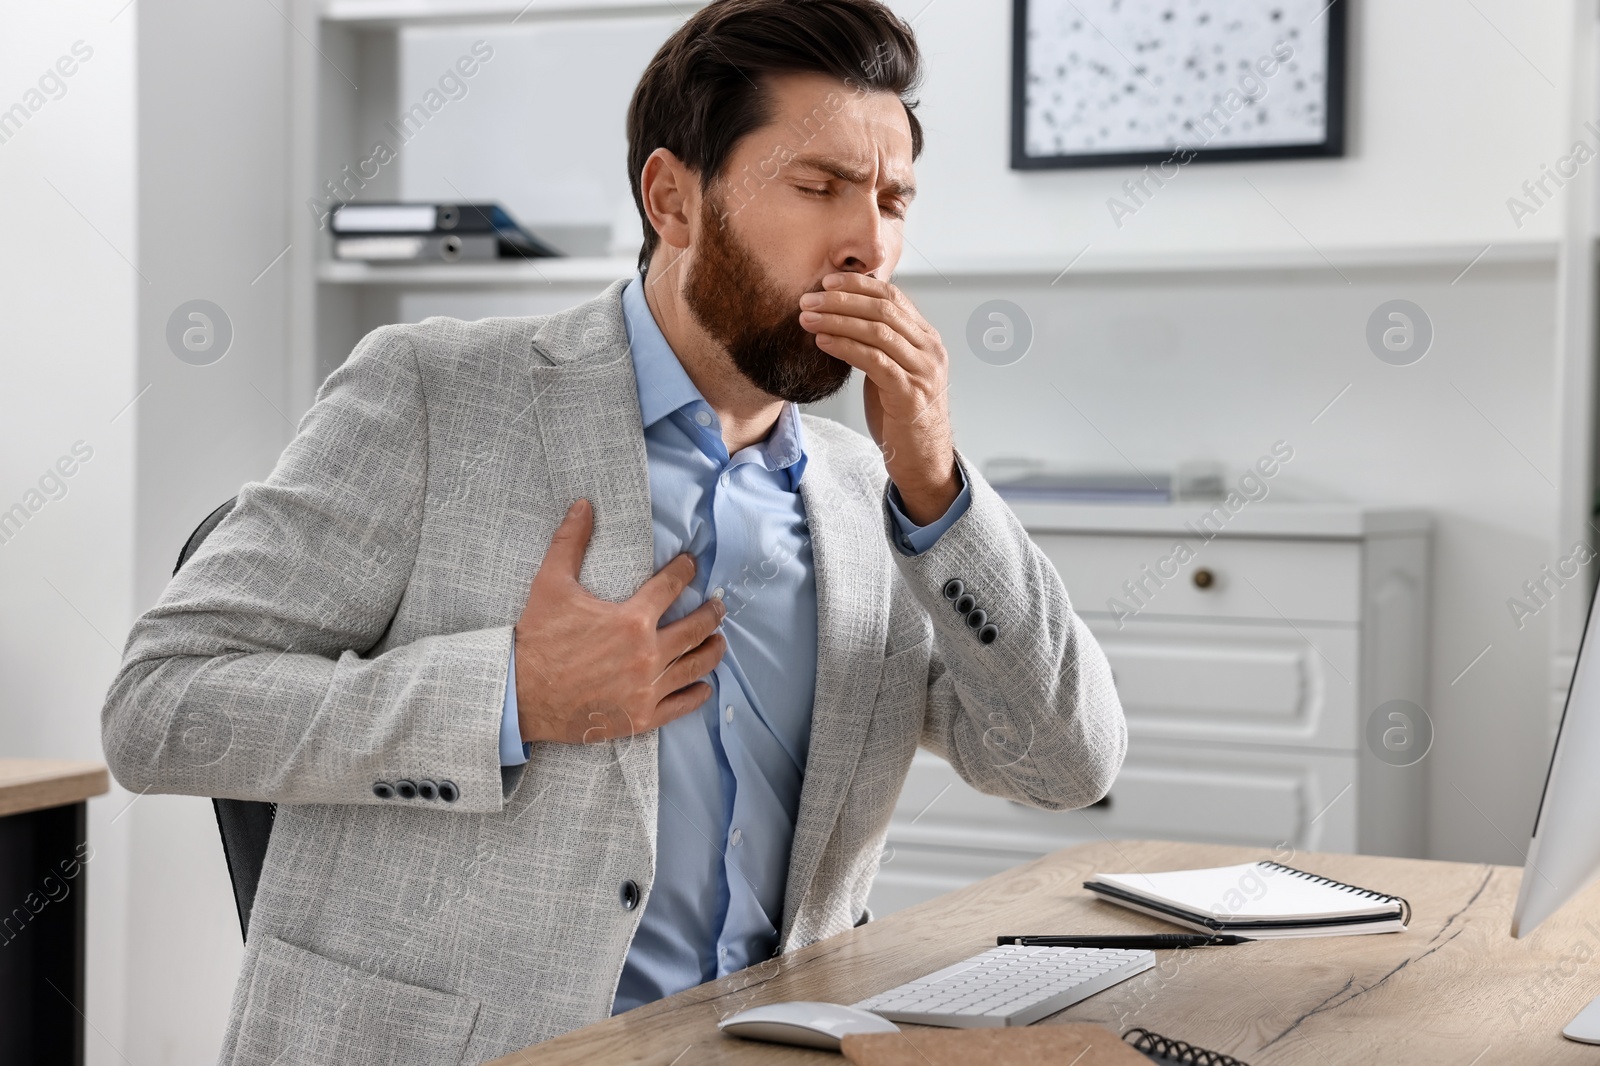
x=671 y=194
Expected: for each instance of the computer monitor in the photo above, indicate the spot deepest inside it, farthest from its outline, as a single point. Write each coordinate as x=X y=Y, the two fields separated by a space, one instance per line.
x=1564 y=857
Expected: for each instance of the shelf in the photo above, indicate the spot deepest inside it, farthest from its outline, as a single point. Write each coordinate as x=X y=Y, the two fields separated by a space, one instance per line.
x=393 y=14
x=1096 y=262
x=588 y=270
x=1336 y=521
x=514 y=274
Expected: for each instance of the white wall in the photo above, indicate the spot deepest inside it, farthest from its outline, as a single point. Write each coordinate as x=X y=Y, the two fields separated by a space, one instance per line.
x=107 y=233
x=68 y=287
x=1446 y=120
x=213 y=219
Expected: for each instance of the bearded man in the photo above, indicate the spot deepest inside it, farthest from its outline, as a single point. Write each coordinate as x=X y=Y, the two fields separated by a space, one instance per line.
x=582 y=666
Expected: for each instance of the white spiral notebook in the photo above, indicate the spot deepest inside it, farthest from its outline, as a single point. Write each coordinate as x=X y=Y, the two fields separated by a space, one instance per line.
x=1259 y=900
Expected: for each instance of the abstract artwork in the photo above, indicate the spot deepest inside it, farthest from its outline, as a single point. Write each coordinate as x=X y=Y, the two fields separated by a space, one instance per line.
x=1114 y=82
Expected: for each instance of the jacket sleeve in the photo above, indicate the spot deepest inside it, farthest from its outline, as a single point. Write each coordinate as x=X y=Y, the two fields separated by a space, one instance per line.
x=250 y=677
x=1033 y=715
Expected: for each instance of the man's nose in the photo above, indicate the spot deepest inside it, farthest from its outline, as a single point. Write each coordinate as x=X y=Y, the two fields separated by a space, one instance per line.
x=865 y=247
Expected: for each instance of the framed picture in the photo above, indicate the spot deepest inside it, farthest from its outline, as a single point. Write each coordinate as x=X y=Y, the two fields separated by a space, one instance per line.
x=1100 y=83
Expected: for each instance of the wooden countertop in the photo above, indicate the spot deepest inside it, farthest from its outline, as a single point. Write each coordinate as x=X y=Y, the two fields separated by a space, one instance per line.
x=34 y=784
x=1453 y=988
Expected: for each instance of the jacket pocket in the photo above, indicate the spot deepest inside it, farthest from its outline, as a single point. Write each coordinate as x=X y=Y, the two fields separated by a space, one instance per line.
x=904 y=667
x=303 y=1008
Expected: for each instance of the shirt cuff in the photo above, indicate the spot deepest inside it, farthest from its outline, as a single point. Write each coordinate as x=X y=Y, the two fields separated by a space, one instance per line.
x=915 y=539
x=513 y=752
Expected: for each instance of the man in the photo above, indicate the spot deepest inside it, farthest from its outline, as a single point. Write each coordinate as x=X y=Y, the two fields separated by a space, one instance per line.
x=582 y=666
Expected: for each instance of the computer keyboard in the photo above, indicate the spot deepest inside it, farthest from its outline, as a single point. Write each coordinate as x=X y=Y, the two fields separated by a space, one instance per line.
x=1011 y=985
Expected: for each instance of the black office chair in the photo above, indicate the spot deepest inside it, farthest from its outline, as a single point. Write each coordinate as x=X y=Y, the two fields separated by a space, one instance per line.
x=245 y=825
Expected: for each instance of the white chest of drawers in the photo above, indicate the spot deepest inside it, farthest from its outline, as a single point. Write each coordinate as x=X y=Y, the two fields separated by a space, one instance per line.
x=1248 y=668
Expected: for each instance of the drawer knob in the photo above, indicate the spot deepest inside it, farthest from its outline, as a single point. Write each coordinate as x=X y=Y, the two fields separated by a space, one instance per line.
x=1204 y=578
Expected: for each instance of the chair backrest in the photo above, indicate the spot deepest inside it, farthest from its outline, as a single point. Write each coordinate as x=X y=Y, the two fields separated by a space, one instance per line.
x=245 y=825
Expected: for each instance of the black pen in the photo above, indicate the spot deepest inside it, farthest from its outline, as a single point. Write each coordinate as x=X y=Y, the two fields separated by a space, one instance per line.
x=1152 y=940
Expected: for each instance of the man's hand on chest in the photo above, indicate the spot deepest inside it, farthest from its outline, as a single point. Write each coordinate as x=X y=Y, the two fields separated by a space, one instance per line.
x=588 y=669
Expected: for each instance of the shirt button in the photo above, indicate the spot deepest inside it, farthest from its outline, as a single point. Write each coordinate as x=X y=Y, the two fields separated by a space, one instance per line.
x=726 y=477
x=703 y=417
x=737 y=836
x=727 y=713
x=718 y=592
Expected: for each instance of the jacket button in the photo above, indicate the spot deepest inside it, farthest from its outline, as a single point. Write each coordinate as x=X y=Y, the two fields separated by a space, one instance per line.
x=630 y=894
x=976 y=618
x=383 y=790
x=406 y=787
x=448 y=791
x=965 y=603
x=429 y=790
x=988 y=633
x=953 y=588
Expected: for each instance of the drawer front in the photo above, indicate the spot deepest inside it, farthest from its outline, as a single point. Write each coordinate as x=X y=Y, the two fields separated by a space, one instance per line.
x=1165 y=791
x=1256 y=684
x=1268 y=580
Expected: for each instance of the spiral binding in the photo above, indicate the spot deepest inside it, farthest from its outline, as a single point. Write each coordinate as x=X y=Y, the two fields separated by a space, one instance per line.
x=1178 y=1051
x=1405 y=906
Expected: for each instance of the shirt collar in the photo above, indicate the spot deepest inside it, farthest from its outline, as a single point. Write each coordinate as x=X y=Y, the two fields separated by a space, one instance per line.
x=665 y=388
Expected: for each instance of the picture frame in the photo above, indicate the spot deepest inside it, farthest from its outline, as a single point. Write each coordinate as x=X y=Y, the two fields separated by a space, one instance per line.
x=1154 y=89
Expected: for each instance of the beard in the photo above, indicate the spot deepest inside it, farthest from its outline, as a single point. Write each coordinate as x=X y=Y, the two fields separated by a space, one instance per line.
x=733 y=299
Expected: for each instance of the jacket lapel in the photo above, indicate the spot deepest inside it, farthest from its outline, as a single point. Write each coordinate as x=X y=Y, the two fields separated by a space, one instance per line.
x=852 y=623
x=586 y=404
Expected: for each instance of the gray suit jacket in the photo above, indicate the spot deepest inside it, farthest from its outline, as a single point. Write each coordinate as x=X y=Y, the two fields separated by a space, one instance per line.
x=350 y=622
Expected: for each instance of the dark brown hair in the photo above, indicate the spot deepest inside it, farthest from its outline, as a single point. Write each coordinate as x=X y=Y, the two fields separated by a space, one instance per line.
x=705 y=89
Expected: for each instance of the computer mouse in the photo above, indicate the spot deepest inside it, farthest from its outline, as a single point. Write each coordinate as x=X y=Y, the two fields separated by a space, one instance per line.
x=804 y=1024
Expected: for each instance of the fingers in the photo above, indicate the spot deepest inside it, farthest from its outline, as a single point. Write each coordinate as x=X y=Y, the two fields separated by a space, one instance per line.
x=664 y=586
x=693 y=664
x=867 y=286
x=871 y=334
x=883 y=371
x=887 y=330
x=570 y=541
x=688 y=631
x=679 y=703
x=907 y=322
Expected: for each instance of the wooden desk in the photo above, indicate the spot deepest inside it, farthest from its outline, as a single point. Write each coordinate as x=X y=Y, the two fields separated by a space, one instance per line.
x=1454 y=988
x=44 y=859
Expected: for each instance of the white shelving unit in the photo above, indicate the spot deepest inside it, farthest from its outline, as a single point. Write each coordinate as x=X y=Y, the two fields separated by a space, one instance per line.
x=513 y=274
x=343 y=89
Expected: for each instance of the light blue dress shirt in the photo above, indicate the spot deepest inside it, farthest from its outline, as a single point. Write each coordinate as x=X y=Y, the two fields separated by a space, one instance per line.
x=730 y=771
